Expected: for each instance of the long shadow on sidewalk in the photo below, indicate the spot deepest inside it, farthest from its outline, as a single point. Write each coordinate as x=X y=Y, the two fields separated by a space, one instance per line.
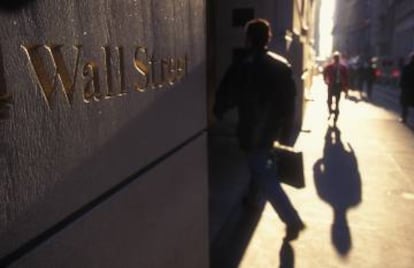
x=338 y=183
x=229 y=251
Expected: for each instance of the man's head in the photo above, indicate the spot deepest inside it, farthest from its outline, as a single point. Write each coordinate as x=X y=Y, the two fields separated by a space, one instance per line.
x=258 y=33
x=336 y=56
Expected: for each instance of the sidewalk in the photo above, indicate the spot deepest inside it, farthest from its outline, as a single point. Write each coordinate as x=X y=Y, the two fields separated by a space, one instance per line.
x=358 y=201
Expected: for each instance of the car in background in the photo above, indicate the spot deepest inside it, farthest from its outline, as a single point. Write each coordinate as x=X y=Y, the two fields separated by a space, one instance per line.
x=387 y=70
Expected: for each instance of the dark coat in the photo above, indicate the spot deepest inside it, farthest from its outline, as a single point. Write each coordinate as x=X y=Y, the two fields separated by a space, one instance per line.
x=262 y=89
x=407 y=85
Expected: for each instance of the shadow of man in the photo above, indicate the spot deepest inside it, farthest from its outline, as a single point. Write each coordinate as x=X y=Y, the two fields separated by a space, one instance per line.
x=228 y=252
x=338 y=183
x=286 y=255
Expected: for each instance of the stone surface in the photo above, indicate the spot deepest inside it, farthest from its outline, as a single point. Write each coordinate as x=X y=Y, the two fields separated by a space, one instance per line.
x=79 y=123
x=130 y=230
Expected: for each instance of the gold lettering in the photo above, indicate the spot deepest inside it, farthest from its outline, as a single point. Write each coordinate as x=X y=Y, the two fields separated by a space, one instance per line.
x=157 y=74
x=114 y=72
x=152 y=83
x=57 y=68
x=142 y=68
x=92 y=89
x=122 y=69
x=182 y=67
x=61 y=72
x=172 y=69
x=109 y=79
x=165 y=71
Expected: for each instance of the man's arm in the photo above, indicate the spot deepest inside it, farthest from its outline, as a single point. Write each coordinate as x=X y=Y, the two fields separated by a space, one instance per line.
x=287 y=134
x=325 y=74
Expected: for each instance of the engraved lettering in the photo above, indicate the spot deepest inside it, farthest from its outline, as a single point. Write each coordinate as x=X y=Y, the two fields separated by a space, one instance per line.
x=141 y=57
x=122 y=68
x=182 y=67
x=56 y=68
x=114 y=72
x=165 y=71
x=61 y=72
x=109 y=79
x=153 y=84
x=157 y=75
x=172 y=70
x=92 y=90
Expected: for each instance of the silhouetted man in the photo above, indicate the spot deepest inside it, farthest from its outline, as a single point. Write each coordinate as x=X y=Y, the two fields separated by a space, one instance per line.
x=336 y=77
x=260 y=85
x=407 y=88
x=369 y=74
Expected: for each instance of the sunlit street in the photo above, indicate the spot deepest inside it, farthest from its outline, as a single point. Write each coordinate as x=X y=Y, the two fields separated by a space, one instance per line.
x=358 y=200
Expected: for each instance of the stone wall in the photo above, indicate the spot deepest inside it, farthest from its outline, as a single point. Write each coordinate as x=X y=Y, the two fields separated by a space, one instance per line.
x=102 y=151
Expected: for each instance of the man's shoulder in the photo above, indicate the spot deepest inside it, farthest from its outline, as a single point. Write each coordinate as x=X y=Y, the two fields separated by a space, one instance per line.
x=278 y=59
x=328 y=67
x=343 y=66
x=332 y=66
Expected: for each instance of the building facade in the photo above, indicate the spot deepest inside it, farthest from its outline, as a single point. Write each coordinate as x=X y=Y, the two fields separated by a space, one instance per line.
x=375 y=28
x=351 y=33
x=398 y=18
x=293 y=36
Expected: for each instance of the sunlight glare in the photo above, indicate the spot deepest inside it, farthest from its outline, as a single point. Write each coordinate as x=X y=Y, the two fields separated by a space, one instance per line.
x=326 y=27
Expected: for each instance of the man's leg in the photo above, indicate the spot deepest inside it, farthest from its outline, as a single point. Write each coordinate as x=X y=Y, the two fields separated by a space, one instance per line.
x=329 y=101
x=337 y=99
x=264 y=174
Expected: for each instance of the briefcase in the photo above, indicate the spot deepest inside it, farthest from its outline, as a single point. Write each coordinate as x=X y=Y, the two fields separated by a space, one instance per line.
x=289 y=166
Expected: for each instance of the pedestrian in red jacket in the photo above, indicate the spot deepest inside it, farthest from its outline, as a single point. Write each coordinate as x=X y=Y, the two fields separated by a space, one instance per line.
x=336 y=77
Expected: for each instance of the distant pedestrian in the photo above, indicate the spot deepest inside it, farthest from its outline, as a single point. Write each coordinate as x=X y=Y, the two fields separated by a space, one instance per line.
x=407 y=88
x=360 y=77
x=352 y=73
x=261 y=87
x=336 y=77
x=369 y=73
